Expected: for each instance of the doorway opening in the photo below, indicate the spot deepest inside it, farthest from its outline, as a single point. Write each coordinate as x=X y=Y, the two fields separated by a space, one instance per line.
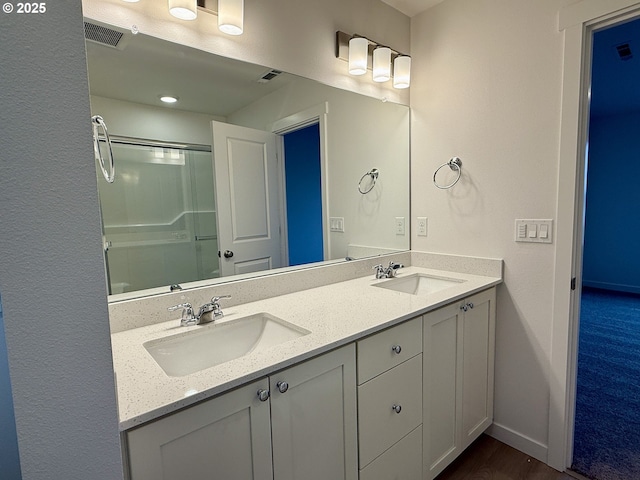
x=607 y=413
x=303 y=195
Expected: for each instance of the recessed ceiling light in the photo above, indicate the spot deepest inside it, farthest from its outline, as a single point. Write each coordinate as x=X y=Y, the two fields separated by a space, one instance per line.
x=168 y=99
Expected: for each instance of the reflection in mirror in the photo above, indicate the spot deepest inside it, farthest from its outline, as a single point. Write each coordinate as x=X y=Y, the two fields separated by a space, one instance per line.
x=250 y=170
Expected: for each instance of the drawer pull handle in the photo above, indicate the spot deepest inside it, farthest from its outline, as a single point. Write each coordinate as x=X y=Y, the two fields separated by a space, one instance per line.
x=282 y=386
x=397 y=408
x=396 y=349
x=263 y=395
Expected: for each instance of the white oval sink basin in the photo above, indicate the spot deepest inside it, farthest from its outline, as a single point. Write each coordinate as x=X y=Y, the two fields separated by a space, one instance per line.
x=419 y=284
x=216 y=343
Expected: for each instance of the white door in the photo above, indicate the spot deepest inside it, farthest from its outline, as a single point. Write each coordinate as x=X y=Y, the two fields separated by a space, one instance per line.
x=248 y=199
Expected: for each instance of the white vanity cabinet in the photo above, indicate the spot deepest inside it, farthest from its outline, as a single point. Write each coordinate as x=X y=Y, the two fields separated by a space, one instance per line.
x=308 y=426
x=458 y=377
x=390 y=403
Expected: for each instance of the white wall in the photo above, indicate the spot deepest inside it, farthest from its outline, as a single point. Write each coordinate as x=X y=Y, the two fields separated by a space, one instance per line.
x=51 y=269
x=297 y=36
x=487 y=88
x=153 y=123
x=362 y=133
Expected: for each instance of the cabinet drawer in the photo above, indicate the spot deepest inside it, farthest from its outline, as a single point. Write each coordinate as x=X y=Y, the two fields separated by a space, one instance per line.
x=403 y=461
x=380 y=426
x=376 y=353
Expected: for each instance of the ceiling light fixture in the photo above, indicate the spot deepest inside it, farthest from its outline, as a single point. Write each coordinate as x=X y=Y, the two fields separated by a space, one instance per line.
x=357 y=49
x=168 y=98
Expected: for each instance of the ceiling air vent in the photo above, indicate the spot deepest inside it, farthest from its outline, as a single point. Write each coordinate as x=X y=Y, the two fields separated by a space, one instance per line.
x=624 y=51
x=105 y=36
x=270 y=75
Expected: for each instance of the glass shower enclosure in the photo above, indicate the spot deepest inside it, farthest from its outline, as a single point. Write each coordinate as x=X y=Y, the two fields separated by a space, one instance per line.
x=159 y=216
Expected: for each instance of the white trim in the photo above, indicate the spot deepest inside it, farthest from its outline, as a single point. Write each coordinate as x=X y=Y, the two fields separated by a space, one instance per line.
x=589 y=10
x=518 y=441
x=316 y=114
x=577 y=21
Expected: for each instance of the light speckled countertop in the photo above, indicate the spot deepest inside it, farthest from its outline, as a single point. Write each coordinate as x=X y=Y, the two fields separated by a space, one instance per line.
x=335 y=314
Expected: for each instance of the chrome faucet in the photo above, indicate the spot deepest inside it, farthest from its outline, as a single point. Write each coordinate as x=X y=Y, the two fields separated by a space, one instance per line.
x=389 y=272
x=208 y=312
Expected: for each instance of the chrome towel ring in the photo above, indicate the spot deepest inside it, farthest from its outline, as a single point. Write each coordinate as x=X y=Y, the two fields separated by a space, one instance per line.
x=98 y=122
x=373 y=173
x=454 y=164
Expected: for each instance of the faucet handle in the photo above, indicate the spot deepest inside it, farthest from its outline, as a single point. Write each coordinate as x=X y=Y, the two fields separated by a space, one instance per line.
x=215 y=304
x=187 y=317
x=186 y=306
x=379 y=270
x=217 y=299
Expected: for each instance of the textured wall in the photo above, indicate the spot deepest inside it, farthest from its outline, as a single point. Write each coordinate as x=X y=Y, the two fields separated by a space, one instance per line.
x=611 y=245
x=487 y=78
x=51 y=268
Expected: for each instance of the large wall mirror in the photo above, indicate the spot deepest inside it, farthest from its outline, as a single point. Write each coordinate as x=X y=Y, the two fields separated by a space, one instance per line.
x=250 y=170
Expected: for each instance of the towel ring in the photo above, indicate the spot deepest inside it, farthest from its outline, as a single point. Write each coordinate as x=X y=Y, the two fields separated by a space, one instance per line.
x=373 y=173
x=98 y=122
x=454 y=164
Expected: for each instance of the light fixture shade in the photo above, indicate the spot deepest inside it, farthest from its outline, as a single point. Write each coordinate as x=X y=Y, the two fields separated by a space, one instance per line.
x=402 y=72
x=184 y=9
x=231 y=16
x=358 y=53
x=131 y=1
x=381 y=64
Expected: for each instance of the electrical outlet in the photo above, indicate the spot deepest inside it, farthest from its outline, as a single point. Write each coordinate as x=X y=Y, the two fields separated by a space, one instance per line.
x=422 y=226
x=399 y=225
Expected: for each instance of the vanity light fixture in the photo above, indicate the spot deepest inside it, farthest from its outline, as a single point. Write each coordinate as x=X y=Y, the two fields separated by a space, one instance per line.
x=230 y=13
x=358 y=55
x=402 y=71
x=381 y=64
x=184 y=9
x=357 y=50
x=231 y=16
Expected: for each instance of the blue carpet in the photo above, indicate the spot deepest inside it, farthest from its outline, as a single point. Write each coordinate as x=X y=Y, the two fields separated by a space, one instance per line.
x=607 y=426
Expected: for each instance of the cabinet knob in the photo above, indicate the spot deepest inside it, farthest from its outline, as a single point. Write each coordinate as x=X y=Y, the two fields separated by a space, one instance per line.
x=396 y=348
x=282 y=386
x=397 y=408
x=470 y=305
x=263 y=395
x=466 y=306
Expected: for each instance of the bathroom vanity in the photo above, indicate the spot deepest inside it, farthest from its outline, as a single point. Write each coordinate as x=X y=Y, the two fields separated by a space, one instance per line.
x=389 y=382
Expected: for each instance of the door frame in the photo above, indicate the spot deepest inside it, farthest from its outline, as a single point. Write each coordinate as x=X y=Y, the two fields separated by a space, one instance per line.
x=577 y=21
x=316 y=114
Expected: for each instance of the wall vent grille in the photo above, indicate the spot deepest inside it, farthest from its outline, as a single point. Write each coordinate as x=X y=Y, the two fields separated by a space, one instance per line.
x=270 y=75
x=102 y=35
x=624 y=51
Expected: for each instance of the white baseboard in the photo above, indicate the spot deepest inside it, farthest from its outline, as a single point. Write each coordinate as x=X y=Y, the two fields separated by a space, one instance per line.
x=518 y=441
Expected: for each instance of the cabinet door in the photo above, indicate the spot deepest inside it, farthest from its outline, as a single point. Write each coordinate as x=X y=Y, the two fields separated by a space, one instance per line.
x=313 y=419
x=477 y=374
x=442 y=381
x=225 y=437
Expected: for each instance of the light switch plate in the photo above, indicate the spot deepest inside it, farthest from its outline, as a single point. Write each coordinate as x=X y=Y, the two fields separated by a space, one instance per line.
x=534 y=230
x=336 y=224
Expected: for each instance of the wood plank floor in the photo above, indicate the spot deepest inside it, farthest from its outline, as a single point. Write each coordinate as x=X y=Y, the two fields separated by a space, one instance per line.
x=489 y=459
